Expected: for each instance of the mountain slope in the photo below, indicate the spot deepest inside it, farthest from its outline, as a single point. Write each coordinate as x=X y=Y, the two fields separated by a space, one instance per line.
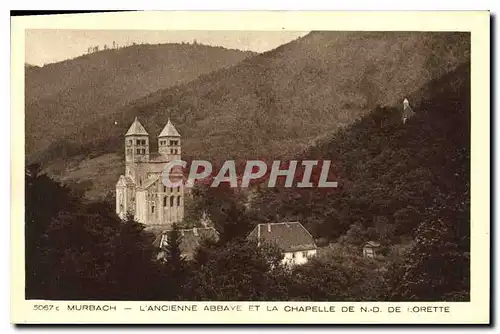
x=404 y=185
x=63 y=97
x=281 y=102
x=392 y=176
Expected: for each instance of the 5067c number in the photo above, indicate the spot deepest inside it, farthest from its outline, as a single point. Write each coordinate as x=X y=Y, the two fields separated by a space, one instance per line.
x=39 y=307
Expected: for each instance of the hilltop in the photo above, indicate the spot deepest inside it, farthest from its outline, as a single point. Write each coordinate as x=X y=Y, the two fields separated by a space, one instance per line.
x=272 y=105
x=63 y=97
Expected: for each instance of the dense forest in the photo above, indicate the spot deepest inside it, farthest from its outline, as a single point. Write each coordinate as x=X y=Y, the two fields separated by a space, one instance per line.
x=405 y=185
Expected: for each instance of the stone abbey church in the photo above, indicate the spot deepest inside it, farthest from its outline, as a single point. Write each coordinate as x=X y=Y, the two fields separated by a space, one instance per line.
x=141 y=191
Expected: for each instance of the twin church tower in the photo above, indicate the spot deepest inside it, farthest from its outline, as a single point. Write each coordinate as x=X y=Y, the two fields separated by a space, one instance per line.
x=141 y=191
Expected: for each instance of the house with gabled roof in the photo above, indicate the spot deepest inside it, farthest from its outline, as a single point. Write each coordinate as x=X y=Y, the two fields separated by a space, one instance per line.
x=292 y=238
x=191 y=239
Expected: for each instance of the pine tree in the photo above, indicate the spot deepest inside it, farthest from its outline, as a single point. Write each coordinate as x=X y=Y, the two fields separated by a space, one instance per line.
x=131 y=247
x=436 y=268
x=174 y=256
x=176 y=268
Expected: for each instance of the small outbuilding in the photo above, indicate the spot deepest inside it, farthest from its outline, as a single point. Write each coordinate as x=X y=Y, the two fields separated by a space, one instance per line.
x=370 y=248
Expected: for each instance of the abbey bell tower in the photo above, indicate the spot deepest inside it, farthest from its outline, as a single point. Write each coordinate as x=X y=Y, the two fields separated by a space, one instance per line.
x=169 y=142
x=136 y=143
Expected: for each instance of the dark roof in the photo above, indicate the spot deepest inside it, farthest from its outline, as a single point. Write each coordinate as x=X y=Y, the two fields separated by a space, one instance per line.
x=190 y=239
x=149 y=182
x=371 y=244
x=289 y=236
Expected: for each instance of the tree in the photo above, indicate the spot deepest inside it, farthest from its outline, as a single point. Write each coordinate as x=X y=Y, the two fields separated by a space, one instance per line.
x=173 y=250
x=356 y=235
x=77 y=250
x=133 y=269
x=436 y=269
x=334 y=277
x=237 y=270
x=176 y=269
x=224 y=207
x=44 y=200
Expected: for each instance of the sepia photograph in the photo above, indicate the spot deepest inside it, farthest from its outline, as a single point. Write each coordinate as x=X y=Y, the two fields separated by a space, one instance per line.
x=311 y=165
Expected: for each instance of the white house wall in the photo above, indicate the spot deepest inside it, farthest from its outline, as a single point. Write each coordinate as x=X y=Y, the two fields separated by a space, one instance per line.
x=299 y=257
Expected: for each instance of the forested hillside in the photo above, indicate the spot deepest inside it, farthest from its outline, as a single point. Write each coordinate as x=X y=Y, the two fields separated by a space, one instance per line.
x=63 y=97
x=269 y=106
x=390 y=173
x=406 y=186
x=399 y=184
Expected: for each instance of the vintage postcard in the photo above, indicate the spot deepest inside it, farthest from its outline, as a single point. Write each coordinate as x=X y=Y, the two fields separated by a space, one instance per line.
x=251 y=168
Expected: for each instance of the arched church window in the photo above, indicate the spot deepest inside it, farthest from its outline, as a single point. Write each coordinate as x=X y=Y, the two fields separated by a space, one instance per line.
x=164 y=200
x=143 y=151
x=178 y=201
x=171 y=200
